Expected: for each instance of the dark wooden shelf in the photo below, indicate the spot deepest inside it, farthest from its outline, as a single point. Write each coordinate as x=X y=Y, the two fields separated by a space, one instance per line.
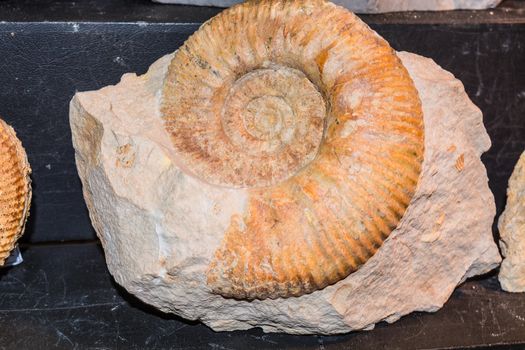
x=63 y=297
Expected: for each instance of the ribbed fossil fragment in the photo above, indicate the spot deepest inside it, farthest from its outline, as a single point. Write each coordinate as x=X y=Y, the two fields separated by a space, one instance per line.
x=300 y=103
x=15 y=190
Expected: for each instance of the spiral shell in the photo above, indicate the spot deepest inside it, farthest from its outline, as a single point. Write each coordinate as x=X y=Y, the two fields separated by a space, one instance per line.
x=15 y=190
x=300 y=103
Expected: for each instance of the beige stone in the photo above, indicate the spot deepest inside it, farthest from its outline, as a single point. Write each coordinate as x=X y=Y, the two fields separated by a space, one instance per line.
x=160 y=227
x=511 y=227
x=373 y=6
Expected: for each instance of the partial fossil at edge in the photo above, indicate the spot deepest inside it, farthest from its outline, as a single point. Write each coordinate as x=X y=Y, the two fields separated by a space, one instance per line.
x=15 y=190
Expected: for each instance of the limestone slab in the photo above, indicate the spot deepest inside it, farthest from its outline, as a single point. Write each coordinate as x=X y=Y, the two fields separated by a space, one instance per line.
x=132 y=188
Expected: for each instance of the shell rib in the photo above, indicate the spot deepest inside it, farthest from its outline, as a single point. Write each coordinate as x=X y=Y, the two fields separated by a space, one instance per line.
x=311 y=112
x=15 y=190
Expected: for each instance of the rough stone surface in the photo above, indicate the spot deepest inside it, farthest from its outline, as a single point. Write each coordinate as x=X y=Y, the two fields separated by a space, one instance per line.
x=133 y=189
x=511 y=226
x=372 y=6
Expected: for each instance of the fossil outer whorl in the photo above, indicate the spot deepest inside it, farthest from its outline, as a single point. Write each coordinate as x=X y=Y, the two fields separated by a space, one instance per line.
x=312 y=112
x=15 y=190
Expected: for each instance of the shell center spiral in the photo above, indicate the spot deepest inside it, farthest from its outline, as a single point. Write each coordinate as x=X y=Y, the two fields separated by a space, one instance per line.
x=274 y=118
x=264 y=116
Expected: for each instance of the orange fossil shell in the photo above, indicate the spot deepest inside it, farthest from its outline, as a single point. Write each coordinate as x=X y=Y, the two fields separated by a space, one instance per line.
x=311 y=112
x=15 y=190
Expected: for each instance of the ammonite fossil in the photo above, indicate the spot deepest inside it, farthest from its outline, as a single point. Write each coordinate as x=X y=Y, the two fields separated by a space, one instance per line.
x=305 y=106
x=15 y=190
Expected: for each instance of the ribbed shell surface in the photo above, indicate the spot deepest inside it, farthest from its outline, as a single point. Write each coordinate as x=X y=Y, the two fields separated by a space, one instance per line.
x=307 y=108
x=15 y=190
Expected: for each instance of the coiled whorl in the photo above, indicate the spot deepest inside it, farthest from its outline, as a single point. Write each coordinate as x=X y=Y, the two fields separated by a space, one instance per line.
x=300 y=103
